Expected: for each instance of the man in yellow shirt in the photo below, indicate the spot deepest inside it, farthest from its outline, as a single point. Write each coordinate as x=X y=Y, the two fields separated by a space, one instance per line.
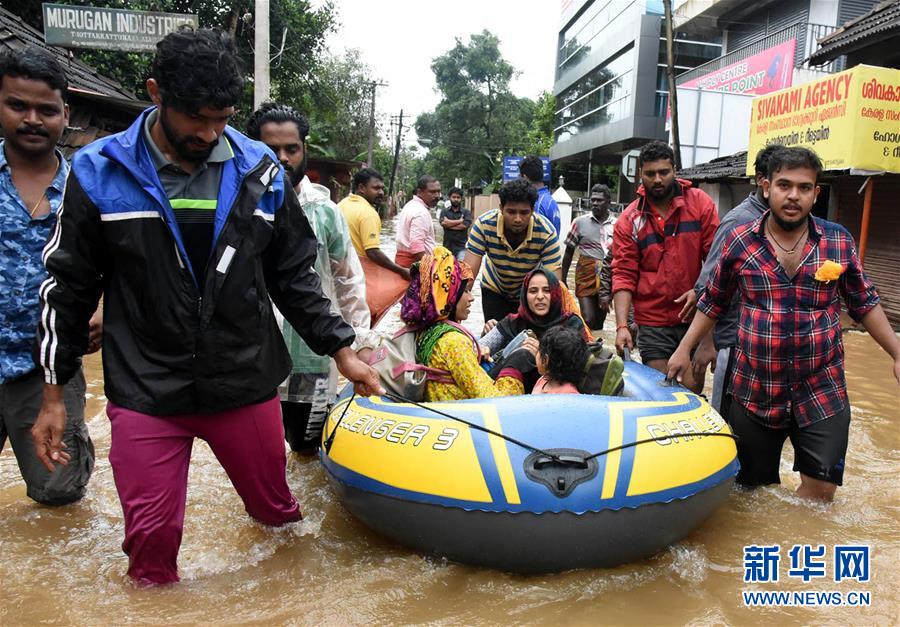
x=362 y=218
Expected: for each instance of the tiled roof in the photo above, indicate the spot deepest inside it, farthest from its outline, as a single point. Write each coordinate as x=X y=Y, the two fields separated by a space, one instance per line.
x=878 y=24
x=719 y=169
x=16 y=34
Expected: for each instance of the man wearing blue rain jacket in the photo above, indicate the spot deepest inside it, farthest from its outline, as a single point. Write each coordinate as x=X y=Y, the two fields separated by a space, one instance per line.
x=184 y=226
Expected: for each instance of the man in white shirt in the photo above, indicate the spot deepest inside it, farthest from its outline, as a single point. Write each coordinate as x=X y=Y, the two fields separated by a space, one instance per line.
x=415 y=228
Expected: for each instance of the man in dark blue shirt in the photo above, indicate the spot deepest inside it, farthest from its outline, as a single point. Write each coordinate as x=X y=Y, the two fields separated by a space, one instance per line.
x=33 y=115
x=532 y=168
x=716 y=348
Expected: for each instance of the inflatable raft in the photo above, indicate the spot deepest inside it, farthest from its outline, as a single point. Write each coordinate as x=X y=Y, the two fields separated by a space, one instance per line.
x=534 y=484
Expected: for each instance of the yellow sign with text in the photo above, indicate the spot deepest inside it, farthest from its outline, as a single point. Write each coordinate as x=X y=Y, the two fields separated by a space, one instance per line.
x=851 y=119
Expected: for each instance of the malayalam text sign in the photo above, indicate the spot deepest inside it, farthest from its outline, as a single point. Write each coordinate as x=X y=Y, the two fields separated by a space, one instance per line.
x=109 y=29
x=851 y=119
x=762 y=73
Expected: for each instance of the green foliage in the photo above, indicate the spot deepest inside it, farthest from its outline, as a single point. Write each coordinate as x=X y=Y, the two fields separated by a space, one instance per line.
x=575 y=174
x=409 y=167
x=540 y=135
x=336 y=99
x=478 y=119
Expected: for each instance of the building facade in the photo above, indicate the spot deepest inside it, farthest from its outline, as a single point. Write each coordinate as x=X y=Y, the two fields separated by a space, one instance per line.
x=610 y=82
x=766 y=46
x=859 y=193
x=98 y=105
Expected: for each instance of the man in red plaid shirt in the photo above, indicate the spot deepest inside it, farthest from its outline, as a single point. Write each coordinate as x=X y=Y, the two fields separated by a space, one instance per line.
x=791 y=270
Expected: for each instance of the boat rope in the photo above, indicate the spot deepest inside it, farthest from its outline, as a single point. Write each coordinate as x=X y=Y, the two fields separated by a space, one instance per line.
x=330 y=439
x=661 y=438
x=556 y=458
x=473 y=425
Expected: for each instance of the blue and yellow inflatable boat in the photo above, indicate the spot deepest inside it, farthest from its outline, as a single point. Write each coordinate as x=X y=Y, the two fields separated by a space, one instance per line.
x=534 y=484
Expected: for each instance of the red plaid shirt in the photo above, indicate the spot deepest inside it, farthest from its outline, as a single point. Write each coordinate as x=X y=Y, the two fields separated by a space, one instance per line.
x=789 y=359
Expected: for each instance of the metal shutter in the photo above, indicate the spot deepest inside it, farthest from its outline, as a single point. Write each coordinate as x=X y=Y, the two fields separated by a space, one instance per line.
x=745 y=34
x=773 y=18
x=852 y=9
x=882 y=250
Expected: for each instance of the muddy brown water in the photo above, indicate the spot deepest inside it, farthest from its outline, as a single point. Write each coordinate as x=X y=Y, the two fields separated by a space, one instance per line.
x=65 y=565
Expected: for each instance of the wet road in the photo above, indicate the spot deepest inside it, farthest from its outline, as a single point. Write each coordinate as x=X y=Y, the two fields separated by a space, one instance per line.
x=65 y=566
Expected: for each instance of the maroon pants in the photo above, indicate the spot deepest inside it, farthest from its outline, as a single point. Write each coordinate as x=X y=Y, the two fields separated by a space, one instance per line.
x=150 y=457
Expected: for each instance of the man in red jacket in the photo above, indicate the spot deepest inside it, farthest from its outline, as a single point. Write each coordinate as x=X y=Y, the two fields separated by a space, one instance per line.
x=659 y=243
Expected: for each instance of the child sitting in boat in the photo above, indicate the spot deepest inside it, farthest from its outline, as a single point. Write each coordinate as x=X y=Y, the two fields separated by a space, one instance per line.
x=561 y=358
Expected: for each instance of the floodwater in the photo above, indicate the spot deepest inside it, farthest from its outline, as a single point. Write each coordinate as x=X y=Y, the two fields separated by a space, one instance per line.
x=65 y=565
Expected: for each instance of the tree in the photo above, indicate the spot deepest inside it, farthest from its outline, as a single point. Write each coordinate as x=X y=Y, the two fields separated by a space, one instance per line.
x=539 y=138
x=478 y=119
x=304 y=30
x=336 y=100
x=409 y=169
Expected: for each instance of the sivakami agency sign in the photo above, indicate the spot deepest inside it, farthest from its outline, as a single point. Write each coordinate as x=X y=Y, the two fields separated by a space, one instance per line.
x=851 y=119
x=109 y=29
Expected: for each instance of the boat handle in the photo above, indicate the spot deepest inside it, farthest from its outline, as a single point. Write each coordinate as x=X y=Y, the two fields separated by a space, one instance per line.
x=564 y=460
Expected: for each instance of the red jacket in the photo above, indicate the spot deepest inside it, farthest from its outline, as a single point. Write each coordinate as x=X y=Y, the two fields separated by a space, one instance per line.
x=658 y=261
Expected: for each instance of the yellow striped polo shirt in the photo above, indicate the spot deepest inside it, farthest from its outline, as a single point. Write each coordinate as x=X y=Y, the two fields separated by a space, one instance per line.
x=504 y=267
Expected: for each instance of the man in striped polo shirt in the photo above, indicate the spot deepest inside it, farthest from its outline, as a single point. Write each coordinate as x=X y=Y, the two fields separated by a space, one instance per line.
x=515 y=241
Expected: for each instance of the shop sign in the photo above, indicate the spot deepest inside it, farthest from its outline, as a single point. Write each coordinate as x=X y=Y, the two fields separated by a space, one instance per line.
x=851 y=119
x=762 y=73
x=109 y=29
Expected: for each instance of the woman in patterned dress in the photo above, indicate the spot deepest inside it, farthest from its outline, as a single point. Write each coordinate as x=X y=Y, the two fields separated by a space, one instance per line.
x=438 y=299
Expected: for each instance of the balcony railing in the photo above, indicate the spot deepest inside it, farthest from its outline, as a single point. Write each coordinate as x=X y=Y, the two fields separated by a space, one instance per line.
x=806 y=34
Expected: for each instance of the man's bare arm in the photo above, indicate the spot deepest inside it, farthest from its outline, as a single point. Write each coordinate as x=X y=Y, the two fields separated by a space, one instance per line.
x=377 y=256
x=622 y=305
x=567 y=262
x=474 y=262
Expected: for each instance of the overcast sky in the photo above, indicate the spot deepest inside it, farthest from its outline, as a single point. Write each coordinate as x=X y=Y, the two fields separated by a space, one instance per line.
x=399 y=39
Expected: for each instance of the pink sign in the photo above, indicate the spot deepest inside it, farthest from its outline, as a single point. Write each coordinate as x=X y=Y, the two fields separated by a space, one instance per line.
x=764 y=72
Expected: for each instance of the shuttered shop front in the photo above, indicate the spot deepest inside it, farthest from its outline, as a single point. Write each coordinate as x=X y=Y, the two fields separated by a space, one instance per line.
x=882 y=261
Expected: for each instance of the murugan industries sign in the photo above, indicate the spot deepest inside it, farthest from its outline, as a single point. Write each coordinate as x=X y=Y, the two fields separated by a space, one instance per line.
x=109 y=29
x=762 y=73
x=851 y=119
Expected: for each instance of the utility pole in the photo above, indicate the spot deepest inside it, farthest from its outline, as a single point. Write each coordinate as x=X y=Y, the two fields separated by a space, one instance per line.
x=373 y=85
x=590 y=167
x=673 y=93
x=261 y=53
x=396 y=153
